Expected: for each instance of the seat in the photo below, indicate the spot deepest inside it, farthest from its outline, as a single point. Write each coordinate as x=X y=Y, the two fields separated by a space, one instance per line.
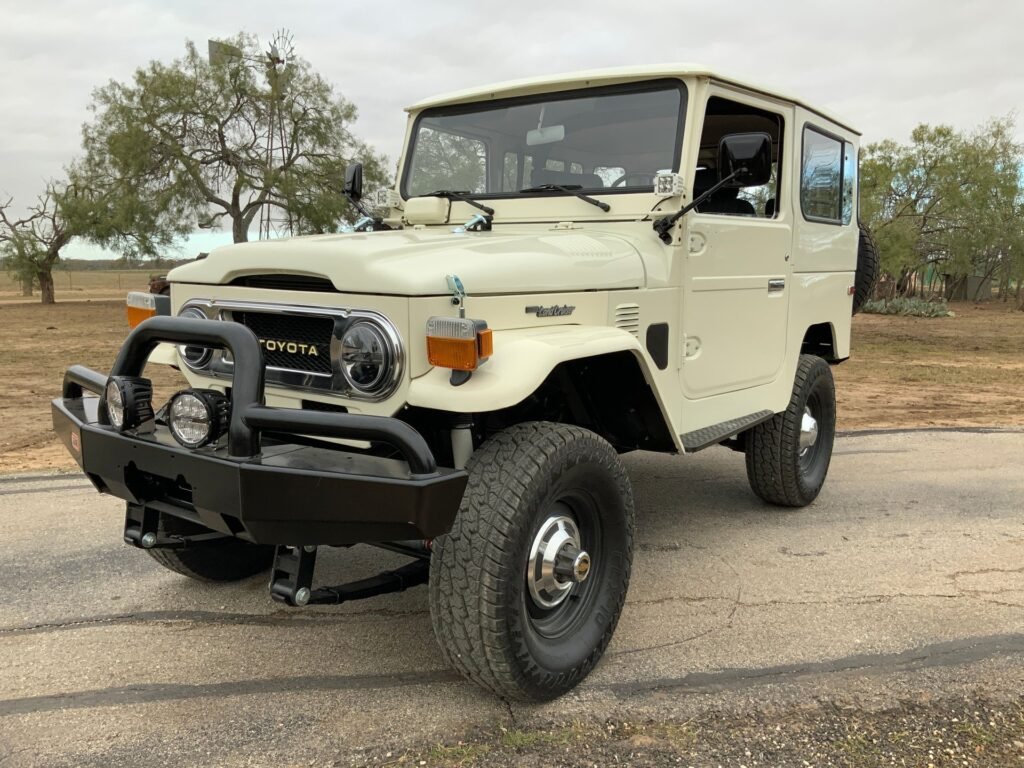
x=726 y=201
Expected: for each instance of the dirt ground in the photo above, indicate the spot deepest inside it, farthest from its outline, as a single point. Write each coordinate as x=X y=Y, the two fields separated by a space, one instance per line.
x=38 y=344
x=949 y=732
x=966 y=370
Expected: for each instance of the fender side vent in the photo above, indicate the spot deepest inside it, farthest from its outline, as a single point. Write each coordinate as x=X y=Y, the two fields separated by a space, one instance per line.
x=627 y=317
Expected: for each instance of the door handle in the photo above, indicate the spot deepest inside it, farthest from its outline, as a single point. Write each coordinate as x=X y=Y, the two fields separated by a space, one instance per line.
x=776 y=285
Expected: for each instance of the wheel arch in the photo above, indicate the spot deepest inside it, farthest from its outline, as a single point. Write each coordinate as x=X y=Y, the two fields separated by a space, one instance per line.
x=820 y=340
x=596 y=378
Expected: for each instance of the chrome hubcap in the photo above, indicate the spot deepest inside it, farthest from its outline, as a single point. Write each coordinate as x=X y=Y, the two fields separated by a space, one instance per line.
x=808 y=431
x=557 y=561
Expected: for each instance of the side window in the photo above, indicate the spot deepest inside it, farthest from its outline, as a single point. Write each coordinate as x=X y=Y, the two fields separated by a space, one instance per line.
x=448 y=160
x=822 y=190
x=510 y=171
x=849 y=181
x=721 y=118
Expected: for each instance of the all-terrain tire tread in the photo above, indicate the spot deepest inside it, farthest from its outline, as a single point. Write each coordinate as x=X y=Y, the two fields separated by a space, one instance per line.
x=470 y=564
x=771 y=446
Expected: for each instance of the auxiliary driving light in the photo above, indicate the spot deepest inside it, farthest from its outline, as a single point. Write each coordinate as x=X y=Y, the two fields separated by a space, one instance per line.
x=458 y=343
x=198 y=416
x=129 y=401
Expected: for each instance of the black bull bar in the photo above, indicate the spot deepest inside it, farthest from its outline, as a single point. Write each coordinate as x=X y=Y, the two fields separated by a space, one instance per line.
x=286 y=489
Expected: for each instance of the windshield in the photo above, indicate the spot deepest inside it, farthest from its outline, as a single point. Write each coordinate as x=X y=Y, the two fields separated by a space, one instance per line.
x=611 y=139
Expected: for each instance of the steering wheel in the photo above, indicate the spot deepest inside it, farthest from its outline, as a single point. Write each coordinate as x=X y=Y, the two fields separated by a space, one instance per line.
x=639 y=180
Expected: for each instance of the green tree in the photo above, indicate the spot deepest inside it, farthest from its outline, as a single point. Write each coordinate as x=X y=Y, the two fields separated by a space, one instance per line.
x=112 y=215
x=949 y=200
x=448 y=161
x=194 y=135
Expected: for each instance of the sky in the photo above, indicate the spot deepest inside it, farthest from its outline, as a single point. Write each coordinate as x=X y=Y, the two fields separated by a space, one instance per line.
x=883 y=65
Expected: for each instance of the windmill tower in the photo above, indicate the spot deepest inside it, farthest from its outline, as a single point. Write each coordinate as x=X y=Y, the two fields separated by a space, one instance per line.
x=279 y=56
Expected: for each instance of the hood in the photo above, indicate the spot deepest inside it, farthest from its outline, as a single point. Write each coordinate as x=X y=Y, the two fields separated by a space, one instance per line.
x=415 y=262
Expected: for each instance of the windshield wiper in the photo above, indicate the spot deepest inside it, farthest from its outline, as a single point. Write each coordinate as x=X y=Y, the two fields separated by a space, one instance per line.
x=572 y=189
x=462 y=196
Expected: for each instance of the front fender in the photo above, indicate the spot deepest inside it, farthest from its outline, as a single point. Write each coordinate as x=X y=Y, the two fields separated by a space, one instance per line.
x=521 y=362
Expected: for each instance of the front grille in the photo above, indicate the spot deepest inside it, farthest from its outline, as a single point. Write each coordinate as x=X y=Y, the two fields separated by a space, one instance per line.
x=286 y=282
x=287 y=340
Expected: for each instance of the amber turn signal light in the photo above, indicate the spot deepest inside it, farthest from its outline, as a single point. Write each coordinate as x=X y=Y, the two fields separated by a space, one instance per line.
x=140 y=306
x=458 y=343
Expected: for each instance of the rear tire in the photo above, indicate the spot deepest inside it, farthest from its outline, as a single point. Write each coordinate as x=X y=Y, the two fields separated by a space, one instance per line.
x=867 y=269
x=228 y=560
x=781 y=467
x=497 y=621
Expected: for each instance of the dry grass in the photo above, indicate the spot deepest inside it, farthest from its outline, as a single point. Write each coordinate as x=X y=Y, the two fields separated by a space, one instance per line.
x=905 y=371
x=74 y=285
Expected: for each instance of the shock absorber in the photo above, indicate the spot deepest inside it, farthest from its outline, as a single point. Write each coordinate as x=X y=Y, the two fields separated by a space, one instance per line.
x=462 y=440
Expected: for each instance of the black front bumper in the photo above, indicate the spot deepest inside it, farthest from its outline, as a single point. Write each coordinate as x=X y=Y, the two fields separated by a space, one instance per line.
x=266 y=490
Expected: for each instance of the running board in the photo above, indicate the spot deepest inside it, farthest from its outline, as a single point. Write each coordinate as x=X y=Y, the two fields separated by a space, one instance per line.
x=700 y=439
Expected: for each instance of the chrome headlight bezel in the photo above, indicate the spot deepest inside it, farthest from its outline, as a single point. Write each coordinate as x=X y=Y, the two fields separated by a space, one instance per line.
x=379 y=338
x=194 y=356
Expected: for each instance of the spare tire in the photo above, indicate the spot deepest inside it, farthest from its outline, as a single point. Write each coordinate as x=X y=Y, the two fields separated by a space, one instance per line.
x=867 y=268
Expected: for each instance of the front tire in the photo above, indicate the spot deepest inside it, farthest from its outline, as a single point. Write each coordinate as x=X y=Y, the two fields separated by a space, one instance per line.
x=227 y=560
x=515 y=605
x=788 y=456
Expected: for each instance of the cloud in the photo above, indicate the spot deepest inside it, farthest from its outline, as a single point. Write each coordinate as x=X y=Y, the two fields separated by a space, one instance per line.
x=885 y=66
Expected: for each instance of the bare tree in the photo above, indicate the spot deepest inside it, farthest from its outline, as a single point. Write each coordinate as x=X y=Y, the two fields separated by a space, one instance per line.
x=32 y=243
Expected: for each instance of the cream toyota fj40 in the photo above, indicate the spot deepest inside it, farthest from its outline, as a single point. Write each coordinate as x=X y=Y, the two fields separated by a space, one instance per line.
x=568 y=269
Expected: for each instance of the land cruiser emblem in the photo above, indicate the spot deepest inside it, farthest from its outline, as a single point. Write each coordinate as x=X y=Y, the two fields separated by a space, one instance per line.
x=291 y=347
x=554 y=311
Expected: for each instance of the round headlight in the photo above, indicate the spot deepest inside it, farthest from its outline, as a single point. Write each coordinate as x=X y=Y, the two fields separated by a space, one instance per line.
x=366 y=357
x=194 y=356
x=115 y=404
x=197 y=416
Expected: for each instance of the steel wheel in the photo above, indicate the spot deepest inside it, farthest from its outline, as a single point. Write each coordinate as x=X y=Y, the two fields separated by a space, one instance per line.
x=559 y=565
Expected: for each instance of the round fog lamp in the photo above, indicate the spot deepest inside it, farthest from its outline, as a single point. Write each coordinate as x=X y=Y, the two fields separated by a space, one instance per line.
x=129 y=401
x=115 y=404
x=198 y=416
x=365 y=357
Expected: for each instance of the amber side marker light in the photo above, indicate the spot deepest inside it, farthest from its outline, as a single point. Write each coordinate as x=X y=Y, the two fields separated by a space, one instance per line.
x=458 y=343
x=140 y=306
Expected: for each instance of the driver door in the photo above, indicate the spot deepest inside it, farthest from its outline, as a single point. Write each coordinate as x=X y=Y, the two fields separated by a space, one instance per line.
x=736 y=278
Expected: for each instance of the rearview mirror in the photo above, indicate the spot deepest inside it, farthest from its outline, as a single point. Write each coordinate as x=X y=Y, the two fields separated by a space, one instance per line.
x=549 y=134
x=749 y=154
x=354 y=181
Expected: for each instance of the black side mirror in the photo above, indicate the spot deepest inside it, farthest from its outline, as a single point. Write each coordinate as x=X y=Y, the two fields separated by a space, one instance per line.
x=748 y=155
x=354 y=181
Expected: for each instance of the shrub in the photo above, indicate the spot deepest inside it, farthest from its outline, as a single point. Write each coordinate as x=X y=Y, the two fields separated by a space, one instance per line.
x=908 y=307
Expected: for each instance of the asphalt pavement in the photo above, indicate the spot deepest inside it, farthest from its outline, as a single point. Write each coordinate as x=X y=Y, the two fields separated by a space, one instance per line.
x=905 y=580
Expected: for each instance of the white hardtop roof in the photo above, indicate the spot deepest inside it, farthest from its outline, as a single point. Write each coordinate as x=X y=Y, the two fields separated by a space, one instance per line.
x=595 y=77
